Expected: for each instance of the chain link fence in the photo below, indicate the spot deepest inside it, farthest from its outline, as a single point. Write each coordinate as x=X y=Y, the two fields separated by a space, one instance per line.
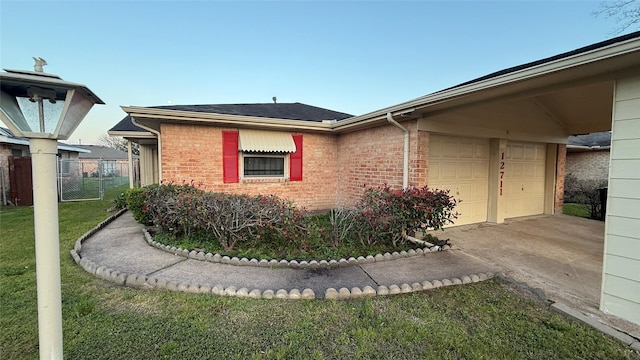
x=87 y=179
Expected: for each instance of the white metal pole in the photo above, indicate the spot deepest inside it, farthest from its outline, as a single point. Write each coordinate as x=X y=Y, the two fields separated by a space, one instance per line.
x=45 y=219
x=130 y=163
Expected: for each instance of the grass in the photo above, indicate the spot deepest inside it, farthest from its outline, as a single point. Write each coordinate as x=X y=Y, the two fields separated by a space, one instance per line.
x=579 y=210
x=103 y=321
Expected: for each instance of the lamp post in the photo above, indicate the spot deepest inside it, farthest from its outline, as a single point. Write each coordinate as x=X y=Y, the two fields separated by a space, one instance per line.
x=45 y=108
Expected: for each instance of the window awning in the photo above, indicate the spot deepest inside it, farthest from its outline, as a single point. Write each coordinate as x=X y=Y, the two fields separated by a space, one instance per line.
x=265 y=141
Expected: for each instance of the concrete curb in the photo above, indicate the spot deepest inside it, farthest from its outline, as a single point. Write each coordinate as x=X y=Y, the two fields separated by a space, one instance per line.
x=368 y=291
x=295 y=264
x=587 y=319
x=593 y=322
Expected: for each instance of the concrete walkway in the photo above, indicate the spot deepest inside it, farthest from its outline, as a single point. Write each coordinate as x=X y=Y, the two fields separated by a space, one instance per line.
x=121 y=246
x=559 y=254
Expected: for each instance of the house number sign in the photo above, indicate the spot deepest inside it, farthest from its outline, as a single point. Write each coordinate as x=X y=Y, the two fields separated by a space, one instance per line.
x=501 y=170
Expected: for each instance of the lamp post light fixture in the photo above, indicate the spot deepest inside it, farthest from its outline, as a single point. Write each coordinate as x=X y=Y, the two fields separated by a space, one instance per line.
x=45 y=108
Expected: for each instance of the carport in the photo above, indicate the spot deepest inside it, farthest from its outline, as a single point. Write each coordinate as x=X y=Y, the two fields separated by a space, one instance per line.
x=559 y=254
x=595 y=88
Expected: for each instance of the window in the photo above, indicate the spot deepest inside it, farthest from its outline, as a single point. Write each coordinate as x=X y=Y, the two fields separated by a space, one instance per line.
x=263 y=165
x=255 y=154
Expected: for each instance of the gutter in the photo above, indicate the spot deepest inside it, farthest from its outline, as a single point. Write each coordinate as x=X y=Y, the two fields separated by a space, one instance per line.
x=405 y=157
x=157 y=133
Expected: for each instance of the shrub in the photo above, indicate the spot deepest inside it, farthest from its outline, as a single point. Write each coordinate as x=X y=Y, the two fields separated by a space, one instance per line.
x=136 y=203
x=120 y=202
x=173 y=208
x=342 y=225
x=586 y=192
x=387 y=215
x=183 y=210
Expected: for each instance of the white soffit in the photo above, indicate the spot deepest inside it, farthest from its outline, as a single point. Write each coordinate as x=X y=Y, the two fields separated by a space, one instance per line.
x=265 y=141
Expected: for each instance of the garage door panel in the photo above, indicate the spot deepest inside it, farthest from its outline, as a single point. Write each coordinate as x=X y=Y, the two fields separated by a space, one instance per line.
x=524 y=179
x=480 y=171
x=461 y=166
x=464 y=171
x=448 y=171
x=482 y=151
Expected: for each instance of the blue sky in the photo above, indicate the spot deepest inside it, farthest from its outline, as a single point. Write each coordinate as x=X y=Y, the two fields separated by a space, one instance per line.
x=353 y=57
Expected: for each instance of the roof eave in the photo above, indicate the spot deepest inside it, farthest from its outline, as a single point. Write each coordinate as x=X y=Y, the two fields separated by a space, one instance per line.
x=132 y=134
x=611 y=51
x=225 y=119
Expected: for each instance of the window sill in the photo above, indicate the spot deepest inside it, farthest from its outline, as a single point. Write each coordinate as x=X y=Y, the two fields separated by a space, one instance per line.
x=265 y=180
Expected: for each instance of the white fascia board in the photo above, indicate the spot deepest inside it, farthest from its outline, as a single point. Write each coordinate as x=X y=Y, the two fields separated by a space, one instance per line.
x=132 y=134
x=66 y=147
x=225 y=119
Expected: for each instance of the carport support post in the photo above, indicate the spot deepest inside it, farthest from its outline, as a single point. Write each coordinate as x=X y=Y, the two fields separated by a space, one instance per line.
x=495 y=205
x=130 y=163
x=47 y=241
x=550 y=178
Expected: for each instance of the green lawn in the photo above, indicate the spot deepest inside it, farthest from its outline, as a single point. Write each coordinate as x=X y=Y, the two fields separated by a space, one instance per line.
x=580 y=210
x=103 y=321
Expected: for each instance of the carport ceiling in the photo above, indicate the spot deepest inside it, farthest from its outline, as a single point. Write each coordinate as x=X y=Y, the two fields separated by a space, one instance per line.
x=572 y=95
x=576 y=110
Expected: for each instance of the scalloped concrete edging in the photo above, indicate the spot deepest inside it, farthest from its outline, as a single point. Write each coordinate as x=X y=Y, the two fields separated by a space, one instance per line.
x=294 y=264
x=146 y=282
x=368 y=291
x=75 y=253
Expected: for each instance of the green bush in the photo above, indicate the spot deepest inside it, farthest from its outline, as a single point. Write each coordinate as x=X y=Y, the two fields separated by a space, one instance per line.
x=387 y=215
x=136 y=203
x=382 y=216
x=120 y=202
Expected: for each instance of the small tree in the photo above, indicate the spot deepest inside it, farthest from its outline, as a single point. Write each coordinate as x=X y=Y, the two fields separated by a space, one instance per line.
x=586 y=192
x=119 y=143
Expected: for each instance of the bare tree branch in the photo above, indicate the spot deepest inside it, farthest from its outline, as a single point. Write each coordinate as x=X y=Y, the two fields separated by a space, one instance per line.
x=119 y=143
x=625 y=12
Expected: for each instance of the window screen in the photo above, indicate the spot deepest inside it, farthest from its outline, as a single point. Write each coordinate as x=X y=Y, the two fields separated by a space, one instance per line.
x=263 y=166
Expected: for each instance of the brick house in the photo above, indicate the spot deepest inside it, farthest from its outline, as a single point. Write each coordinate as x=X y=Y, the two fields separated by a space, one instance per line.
x=588 y=156
x=497 y=142
x=14 y=148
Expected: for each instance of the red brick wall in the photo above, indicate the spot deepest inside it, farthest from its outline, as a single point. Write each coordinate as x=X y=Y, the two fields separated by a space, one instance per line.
x=373 y=157
x=194 y=152
x=560 y=171
x=589 y=165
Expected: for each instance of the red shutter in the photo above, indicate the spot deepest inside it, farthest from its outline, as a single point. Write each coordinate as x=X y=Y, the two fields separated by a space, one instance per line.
x=295 y=160
x=230 y=156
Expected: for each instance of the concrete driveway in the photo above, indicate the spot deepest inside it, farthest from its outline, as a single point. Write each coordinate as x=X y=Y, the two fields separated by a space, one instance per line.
x=560 y=254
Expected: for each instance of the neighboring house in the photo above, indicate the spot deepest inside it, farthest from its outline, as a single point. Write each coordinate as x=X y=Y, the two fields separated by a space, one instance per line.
x=588 y=156
x=15 y=167
x=113 y=162
x=497 y=142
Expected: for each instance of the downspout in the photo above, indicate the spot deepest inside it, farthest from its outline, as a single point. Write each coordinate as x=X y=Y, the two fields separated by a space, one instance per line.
x=405 y=158
x=157 y=133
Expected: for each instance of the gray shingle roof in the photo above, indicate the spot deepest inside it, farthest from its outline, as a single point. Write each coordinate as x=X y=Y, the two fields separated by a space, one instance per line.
x=593 y=139
x=288 y=111
x=103 y=152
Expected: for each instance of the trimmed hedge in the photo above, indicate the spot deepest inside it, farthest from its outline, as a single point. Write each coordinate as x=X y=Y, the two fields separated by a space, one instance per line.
x=382 y=216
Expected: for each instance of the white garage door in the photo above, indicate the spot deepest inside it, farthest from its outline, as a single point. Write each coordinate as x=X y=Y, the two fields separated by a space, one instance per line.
x=523 y=181
x=461 y=165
